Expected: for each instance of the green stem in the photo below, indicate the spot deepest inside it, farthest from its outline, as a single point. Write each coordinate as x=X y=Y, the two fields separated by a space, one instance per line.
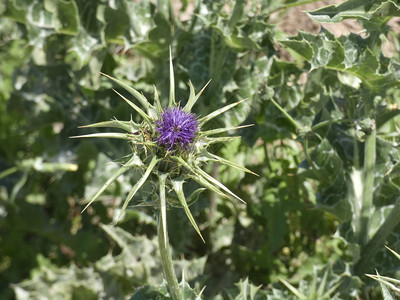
x=163 y=243
x=368 y=187
x=328 y=122
x=286 y=114
x=267 y=161
x=8 y=172
x=378 y=240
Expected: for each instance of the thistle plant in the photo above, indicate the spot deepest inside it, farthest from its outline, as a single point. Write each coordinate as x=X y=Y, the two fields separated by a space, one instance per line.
x=169 y=148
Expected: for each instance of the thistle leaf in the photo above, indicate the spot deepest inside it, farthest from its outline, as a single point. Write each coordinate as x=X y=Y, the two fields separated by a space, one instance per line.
x=138 y=185
x=295 y=291
x=217 y=183
x=172 y=102
x=197 y=177
x=178 y=187
x=322 y=284
x=135 y=107
x=388 y=280
x=116 y=135
x=222 y=130
x=124 y=125
x=229 y=163
x=111 y=135
x=142 y=99
x=222 y=139
x=356 y=9
x=193 y=97
x=202 y=181
x=134 y=161
x=385 y=285
x=216 y=113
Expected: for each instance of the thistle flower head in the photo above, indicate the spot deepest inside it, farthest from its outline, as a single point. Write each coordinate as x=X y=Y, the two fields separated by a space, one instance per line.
x=171 y=129
x=177 y=129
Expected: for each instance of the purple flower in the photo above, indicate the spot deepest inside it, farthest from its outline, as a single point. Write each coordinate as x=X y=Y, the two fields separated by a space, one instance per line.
x=177 y=129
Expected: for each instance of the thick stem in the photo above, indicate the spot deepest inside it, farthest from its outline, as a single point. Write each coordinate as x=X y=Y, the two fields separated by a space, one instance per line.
x=166 y=262
x=163 y=244
x=368 y=188
x=378 y=240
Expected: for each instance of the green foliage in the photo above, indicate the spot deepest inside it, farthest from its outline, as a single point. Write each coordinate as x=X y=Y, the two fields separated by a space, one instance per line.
x=378 y=11
x=325 y=149
x=109 y=277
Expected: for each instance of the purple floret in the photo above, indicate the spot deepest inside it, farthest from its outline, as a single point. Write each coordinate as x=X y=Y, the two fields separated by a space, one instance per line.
x=177 y=129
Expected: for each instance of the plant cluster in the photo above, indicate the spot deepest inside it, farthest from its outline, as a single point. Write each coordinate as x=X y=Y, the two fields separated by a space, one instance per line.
x=325 y=140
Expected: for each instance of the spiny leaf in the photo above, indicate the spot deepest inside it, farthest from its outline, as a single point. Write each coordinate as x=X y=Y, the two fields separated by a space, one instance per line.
x=202 y=181
x=222 y=130
x=222 y=139
x=313 y=284
x=217 y=183
x=383 y=278
x=248 y=290
x=134 y=161
x=385 y=285
x=112 y=135
x=178 y=187
x=124 y=125
x=142 y=99
x=295 y=291
x=193 y=97
x=216 y=113
x=197 y=177
x=135 y=107
x=134 y=139
x=138 y=185
x=326 y=51
x=229 y=163
x=322 y=284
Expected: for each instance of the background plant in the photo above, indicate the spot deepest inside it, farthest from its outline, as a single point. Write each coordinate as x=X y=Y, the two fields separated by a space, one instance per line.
x=340 y=93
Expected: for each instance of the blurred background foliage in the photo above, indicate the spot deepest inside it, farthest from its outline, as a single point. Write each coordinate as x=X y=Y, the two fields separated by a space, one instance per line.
x=316 y=218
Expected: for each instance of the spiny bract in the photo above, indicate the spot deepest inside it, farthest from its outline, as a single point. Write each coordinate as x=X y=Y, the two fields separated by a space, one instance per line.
x=170 y=148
